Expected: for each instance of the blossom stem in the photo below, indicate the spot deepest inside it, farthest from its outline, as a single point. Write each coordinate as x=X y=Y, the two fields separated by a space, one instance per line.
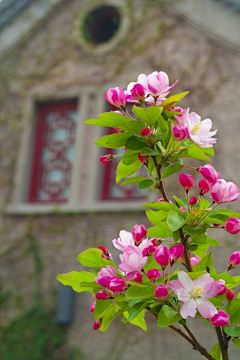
x=160 y=183
x=186 y=166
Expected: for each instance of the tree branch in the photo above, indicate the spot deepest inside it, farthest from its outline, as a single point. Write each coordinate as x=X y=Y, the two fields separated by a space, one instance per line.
x=223 y=344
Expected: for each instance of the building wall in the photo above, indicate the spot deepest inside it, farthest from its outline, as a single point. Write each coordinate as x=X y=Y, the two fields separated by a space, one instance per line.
x=53 y=60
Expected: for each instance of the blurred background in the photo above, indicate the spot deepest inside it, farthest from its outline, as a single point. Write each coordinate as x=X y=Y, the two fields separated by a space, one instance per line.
x=57 y=59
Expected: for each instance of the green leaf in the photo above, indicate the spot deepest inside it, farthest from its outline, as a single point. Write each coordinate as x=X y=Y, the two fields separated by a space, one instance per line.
x=211 y=220
x=216 y=352
x=159 y=232
x=138 y=320
x=132 y=126
x=147 y=151
x=113 y=141
x=137 y=293
x=174 y=221
x=228 y=213
x=101 y=307
x=213 y=242
x=170 y=170
x=93 y=258
x=151 y=264
x=167 y=316
x=156 y=217
x=127 y=170
x=171 y=114
x=204 y=204
x=135 y=310
x=209 y=151
x=199 y=239
x=172 y=100
x=236 y=342
x=206 y=262
x=195 y=152
x=234 y=332
x=108 y=317
x=134 y=180
x=135 y=143
x=130 y=157
x=164 y=126
x=163 y=205
x=199 y=230
x=148 y=115
x=233 y=309
x=74 y=278
x=108 y=119
x=145 y=184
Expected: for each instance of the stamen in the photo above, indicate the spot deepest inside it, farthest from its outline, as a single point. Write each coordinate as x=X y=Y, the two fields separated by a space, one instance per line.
x=195 y=129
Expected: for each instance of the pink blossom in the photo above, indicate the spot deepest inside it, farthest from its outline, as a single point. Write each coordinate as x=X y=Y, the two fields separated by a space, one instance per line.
x=183 y=209
x=223 y=191
x=162 y=200
x=193 y=201
x=199 y=131
x=176 y=252
x=106 y=254
x=97 y=324
x=105 y=158
x=180 y=132
x=186 y=181
x=145 y=132
x=153 y=274
x=103 y=295
x=143 y=159
x=162 y=256
x=116 y=97
x=203 y=187
x=138 y=92
x=92 y=306
x=229 y=295
x=138 y=233
x=156 y=84
x=149 y=250
x=209 y=173
x=117 y=285
x=220 y=319
x=104 y=275
x=223 y=289
x=161 y=292
x=194 y=294
x=194 y=260
x=234 y=260
x=125 y=239
x=232 y=225
x=135 y=275
x=132 y=259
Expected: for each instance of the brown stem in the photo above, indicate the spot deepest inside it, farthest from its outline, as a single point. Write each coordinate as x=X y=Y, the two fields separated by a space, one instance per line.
x=186 y=256
x=223 y=344
x=160 y=183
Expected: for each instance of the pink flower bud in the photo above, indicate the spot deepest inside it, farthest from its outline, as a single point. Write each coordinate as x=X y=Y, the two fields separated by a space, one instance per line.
x=220 y=319
x=209 y=173
x=223 y=288
x=203 y=187
x=103 y=295
x=162 y=200
x=223 y=191
x=135 y=276
x=180 y=132
x=176 y=252
x=104 y=275
x=153 y=274
x=117 y=285
x=117 y=130
x=183 y=209
x=149 y=250
x=138 y=92
x=97 y=324
x=156 y=241
x=161 y=292
x=232 y=225
x=145 y=132
x=193 y=200
x=116 y=97
x=92 y=306
x=139 y=232
x=106 y=254
x=105 y=158
x=234 y=260
x=117 y=112
x=195 y=260
x=186 y=181
x=138 y=277
x=229 y=295
x=143 y=159
x=162 y=256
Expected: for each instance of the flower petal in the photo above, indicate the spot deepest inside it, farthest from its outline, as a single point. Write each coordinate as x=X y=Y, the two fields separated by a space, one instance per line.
x=189 y=309
x=206 y=308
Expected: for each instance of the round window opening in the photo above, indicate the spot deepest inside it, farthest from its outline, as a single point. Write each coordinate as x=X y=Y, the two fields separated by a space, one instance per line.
x=101 y=24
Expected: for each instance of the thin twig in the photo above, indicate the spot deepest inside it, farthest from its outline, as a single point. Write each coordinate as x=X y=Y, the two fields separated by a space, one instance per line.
x=222 y=343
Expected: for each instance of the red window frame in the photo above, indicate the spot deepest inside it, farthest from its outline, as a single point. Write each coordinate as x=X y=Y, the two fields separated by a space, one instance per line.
x=42 y=112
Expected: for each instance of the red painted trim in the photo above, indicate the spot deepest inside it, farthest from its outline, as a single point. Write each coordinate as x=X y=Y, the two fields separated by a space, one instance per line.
x=43 y=110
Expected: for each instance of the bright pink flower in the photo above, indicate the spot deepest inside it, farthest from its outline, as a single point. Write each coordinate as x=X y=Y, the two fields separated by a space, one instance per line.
x=145 y=132
x=162 y=256
x=194 y=260
x=117 y=112
x=203 y=187
x=176 y=252
x=223 y=287
x=149 y=250
x=117 y=285
x=182 y=209
x=193 y=200
x=199 y=131
x=104 y=275
x=135 y=275
x=232 y=225
x=156 y=241
x=161 y=292
x=103 y=295
x=138 y=233
x=180 y=132
x=92 y=306
x=132 y=259
x=186 y=181
x=234 y=260
x=142 y=158
x=116 y=97
x=209 y=173
x=223 y=191
x=229 y=295
x=105 y=158
x=194 y=294
x=153 y=274
x=138 y=92
x=162 y=200
x=220 y=319
x=156 y=84
x=97 y=324
x=125 y=239
x=106 y=254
